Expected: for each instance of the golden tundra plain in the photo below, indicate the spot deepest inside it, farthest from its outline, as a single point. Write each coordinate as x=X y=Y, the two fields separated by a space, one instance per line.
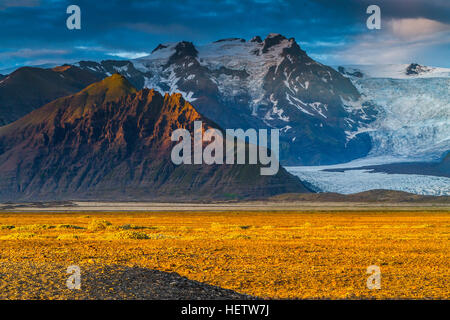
x=278 y=254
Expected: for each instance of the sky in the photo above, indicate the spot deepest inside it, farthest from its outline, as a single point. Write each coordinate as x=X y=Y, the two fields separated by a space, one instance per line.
x=334 y=32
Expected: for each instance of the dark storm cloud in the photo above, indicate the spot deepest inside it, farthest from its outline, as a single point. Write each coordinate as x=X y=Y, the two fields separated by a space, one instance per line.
x=130 y=27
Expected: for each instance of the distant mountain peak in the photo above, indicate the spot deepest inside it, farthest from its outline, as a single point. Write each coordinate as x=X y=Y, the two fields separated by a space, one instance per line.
x=159 y=47
x=256 y=39
x=62 y=68
x=273 y=39
x=275 y=35
x=183 y=49
x=416 y=69
x=111 y=88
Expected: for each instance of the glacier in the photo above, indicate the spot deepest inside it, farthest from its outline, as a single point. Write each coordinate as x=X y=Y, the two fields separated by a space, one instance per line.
x=354 y=181
x=413 y=125
x=414 y=110
x=415 y=116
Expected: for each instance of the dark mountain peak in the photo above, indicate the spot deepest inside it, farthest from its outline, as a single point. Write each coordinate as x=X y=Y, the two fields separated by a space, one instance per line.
x=22 y=71
x=352 y=72
x=289 y=46
x=256 y=39
x=416 y=69
x=29 y=88
x=293 y=48
x=275 y=36
x=183 y=49
x=87 y=64
x=272 y=40
x=159 y=47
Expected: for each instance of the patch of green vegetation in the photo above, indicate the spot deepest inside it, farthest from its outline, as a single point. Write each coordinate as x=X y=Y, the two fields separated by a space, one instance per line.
x=35 y=227
x=20 y=236
x=69 y=226
x=128 y=235
x=98 y=225
x=7 y=227
x=131 y=227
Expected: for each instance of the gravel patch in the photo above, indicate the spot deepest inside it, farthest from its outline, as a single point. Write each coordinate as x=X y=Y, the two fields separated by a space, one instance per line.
x=105 y=282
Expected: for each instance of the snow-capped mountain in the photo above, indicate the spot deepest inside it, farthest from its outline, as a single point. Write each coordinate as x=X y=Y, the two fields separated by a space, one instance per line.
x=414 y=109
x=261 y=84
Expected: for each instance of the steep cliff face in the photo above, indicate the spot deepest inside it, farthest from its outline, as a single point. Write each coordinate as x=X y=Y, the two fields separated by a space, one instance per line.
x=110 y=141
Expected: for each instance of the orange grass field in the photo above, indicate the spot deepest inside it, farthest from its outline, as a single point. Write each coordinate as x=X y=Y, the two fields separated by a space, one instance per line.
x=293 y=255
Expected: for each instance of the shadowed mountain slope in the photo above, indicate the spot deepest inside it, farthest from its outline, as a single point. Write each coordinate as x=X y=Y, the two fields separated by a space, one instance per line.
x=112 y=142
x=27 y=89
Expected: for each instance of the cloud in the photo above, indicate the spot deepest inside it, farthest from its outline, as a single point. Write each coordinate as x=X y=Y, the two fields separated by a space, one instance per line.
x=159 y=28
x=416 y=28
x=391 y=48
x=128 y=28
x=18 y=3
x=29 y=53
x=128 y=55
x=121 y=53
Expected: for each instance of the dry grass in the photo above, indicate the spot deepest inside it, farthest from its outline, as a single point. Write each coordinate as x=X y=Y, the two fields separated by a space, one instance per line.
x=267 y=254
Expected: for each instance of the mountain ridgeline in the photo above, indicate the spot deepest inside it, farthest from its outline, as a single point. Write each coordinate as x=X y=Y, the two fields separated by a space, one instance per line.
x=260 y=84
x=269 y=83
x=112 y=142
x=27 y=89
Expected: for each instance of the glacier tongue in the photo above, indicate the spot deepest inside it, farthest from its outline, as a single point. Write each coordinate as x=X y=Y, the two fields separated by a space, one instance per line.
x=354 y=181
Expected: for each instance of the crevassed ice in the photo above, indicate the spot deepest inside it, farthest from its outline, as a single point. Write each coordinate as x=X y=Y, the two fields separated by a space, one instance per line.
x=415 y=116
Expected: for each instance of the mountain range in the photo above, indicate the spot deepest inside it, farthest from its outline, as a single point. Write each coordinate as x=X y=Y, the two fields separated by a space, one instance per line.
x=325 y=116
x=112 y=142
x=270 y=83
x=28 y=88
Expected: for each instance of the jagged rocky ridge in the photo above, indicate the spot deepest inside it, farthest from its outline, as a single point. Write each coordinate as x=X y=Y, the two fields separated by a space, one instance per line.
x=112 y=142
x=269 y=83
